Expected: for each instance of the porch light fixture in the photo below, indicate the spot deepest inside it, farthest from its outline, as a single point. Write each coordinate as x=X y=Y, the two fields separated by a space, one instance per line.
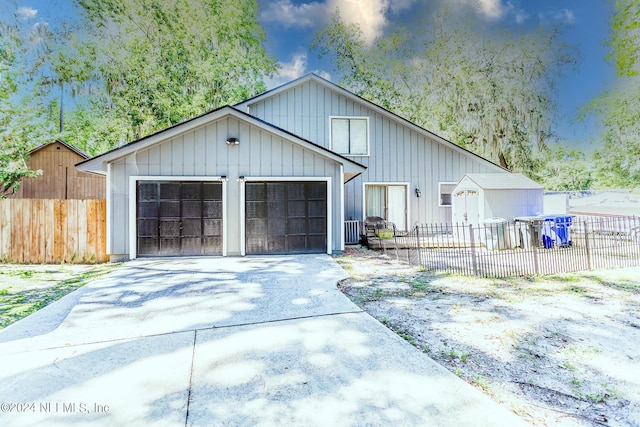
x=233 y=141
x=418 y=192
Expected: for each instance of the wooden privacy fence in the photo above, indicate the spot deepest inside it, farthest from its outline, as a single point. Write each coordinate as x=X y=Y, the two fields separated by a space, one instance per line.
x=52 y=231
x=521 y=249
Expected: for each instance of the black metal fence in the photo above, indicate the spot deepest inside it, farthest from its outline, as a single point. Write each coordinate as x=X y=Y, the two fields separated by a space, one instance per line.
x=536 y=247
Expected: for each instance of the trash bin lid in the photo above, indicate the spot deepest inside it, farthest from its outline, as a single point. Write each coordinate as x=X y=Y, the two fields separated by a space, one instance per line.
x=531 y=219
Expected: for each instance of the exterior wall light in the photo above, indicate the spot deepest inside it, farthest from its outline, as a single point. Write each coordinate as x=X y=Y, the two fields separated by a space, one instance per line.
x=233 y=141
x=418 y=192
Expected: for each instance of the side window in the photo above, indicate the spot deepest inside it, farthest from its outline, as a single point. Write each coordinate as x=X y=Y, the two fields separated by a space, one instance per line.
x=445 y=190
x=350 y=135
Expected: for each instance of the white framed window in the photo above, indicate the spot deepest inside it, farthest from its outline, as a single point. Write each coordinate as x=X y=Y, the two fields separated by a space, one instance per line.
x=444 y=192
x=350 y=135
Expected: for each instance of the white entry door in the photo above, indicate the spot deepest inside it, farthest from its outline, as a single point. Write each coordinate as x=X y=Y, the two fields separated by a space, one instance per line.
x=388 y=202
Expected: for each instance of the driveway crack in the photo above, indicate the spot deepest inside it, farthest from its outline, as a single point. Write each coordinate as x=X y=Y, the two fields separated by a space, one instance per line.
x=193 y=355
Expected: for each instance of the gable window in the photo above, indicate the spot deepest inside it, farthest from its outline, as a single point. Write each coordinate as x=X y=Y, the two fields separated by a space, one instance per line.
x=350 y=135
x=444 y=190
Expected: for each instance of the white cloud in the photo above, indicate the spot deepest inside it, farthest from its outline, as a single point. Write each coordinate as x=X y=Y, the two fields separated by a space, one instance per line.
x=26 y=13
x=565 y=16
x=295 y=68
x=491 y=9
x=495 y=10
x=291 y=15
x=370 y=15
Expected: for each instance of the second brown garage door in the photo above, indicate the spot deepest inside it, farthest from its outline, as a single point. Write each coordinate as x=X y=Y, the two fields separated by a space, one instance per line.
x=286 y=217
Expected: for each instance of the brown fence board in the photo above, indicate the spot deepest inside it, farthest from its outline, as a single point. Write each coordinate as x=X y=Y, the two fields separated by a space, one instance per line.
x=52 y=231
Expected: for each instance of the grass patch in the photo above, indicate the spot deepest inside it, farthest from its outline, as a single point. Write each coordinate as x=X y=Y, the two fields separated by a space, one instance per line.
x=15 y=306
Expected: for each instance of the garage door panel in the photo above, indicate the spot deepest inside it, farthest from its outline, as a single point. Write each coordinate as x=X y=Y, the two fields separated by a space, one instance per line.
x=276 y=209
x=170 y=191
x=191 y=191
x=257 y=227
x=275 y=191
x=169 y=247
x=277 y=227
x=317 y=208
x=147 y=245
x=179 y=218
x=316 y=243
x=276 y=244
x=191 y=227
x=148 y=228
x=297 y=208
x=212 y=227
x=212 y=209
x=148 y=209
x=211 y=191
x=256 y=210
x=170 y=209
x=297 y=226
x=170 y=228
x=317 y=190
x=191 y=245
x=295 y=214
x=317 y=226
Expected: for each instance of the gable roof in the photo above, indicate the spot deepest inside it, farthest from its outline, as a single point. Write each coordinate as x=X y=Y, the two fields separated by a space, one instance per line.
x=59 y=141
x=98 y=163
x=501 y=181
x=378 y=109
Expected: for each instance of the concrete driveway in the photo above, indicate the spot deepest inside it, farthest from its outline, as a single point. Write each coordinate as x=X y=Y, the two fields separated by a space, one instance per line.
x=224 y=341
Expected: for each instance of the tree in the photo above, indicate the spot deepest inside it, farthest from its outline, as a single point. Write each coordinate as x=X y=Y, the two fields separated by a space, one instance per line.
x=18 y=119
x=618 y=161
x=490 y=93
x=163 y=62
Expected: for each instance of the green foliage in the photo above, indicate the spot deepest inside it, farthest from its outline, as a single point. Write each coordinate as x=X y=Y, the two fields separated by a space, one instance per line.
x=617 y=163
x=624 y=42
x=163 y=62
x=490 y=93
x=566 y=169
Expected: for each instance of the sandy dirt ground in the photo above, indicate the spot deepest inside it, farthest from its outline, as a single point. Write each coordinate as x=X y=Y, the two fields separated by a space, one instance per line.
x=561 y=350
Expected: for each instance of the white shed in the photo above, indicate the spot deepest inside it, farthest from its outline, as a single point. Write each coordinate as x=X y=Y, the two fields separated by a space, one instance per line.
x=479 y=196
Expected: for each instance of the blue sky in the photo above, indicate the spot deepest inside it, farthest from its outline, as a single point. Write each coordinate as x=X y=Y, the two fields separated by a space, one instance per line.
x=290 y=26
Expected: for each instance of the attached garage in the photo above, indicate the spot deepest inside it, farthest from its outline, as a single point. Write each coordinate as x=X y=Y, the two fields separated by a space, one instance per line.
x=224 y=183
x=286 y=217
x=178 y=218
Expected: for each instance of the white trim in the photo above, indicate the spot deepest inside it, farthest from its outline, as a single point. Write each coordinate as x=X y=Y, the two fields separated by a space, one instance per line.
x=387 y=183
x=243 y=216
x=440 y=184
x=109 y=203
x=132 y=205
x=365 y=118
x=326 y=179
x=342 y=209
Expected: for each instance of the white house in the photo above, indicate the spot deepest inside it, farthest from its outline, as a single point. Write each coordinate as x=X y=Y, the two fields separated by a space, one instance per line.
x=279 y=173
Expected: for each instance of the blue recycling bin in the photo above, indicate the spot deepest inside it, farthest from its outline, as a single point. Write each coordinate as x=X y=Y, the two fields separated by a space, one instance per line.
x=556 y=230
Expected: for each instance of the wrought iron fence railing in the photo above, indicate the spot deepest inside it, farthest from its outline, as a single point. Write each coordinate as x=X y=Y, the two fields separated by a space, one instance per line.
x=536 y=247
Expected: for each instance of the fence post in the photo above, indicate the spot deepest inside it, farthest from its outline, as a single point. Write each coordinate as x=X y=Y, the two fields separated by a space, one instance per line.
x=534 y=245
x=474 y=260
x=418 y=245
x=586 y=244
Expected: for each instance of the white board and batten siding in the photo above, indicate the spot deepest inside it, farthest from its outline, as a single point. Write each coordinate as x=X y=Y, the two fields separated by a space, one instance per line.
x=398 y=150
x=202 y=152
x=499 y=196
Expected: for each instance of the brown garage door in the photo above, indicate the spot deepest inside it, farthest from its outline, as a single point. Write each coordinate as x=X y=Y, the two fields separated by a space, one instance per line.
x=179 y=218
x=286 y=217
